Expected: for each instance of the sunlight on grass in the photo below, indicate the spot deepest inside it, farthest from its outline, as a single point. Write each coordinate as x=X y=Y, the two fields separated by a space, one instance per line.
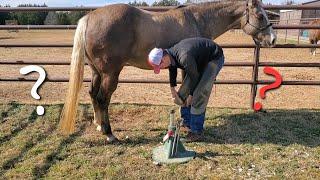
x=238 y=144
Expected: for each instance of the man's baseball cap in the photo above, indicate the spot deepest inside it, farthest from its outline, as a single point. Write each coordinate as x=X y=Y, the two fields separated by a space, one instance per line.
x=154 y=59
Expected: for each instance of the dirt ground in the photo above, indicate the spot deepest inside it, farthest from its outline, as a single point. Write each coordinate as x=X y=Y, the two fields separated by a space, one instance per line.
x=235 y=96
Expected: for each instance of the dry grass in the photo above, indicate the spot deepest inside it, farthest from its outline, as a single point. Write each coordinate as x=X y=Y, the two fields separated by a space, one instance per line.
x=239 y=144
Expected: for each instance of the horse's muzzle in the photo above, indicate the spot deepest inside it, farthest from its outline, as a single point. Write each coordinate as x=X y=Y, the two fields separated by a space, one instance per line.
x=268 y=40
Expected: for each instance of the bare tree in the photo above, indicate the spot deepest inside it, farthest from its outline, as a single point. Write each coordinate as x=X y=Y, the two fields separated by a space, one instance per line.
x=289 y=2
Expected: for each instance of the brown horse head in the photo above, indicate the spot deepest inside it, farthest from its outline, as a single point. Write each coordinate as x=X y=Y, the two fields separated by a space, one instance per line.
x=255 y=22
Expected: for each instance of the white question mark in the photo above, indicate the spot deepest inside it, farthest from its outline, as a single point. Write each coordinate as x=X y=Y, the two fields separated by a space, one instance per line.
x=32 y=68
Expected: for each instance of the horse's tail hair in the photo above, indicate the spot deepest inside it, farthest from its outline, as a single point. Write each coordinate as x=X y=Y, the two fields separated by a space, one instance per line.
x=69 y=112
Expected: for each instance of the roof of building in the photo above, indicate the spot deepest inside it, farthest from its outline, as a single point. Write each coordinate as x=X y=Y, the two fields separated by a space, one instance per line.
x=310 y=2
x=272 y=13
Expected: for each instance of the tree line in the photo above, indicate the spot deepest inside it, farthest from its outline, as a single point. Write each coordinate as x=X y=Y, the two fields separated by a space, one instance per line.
x=156 y=3
x=61 y=17
x=41 y=18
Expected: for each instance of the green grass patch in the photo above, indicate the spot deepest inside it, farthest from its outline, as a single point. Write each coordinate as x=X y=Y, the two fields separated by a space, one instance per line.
x=238 y=144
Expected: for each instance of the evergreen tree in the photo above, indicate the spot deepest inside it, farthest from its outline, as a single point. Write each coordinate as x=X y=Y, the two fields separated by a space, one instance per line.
x=138 y=3
x=51 y=19
x=289 y=2
x=74 y=16
x=166 y=3
x=4 y=16
x=32 y=18
x=63 y=18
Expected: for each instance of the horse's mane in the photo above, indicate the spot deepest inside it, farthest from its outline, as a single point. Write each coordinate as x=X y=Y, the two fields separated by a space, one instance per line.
x=213 y=3
x=181 y=6
x=217 y=6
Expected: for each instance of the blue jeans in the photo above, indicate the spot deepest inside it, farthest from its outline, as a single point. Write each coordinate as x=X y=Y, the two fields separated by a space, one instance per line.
x=197 y=122
x=186 y=116
x=203 y=90
x=201 y=95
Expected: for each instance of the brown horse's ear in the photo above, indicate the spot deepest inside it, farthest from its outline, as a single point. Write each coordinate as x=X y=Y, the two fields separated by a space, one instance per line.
x=253 y=3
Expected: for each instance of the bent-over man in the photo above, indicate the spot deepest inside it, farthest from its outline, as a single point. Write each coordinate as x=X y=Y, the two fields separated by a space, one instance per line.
x=201 y=59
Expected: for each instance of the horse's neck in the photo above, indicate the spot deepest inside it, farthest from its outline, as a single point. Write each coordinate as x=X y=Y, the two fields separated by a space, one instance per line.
x=218 y=17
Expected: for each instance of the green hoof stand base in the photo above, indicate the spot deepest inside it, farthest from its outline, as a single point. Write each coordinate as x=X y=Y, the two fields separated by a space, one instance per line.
x=162 y=153
x=172 y=151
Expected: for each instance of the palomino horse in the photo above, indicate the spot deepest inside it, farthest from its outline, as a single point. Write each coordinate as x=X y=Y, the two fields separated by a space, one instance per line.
x=118 y=35
x=314 y=36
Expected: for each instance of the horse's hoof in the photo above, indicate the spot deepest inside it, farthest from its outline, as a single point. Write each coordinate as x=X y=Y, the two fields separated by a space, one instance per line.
x=112 y=139
x=99 y=128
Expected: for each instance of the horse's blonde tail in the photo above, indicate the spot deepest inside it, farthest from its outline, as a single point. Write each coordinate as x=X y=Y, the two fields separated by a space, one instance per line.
x=69 y=112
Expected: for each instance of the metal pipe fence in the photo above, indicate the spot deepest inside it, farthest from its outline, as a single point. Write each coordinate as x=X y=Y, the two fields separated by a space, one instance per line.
x=143 y=81
x=38 y=27
x=255 y=64
x=43 y=45
x=155 y=9
x=234 y=63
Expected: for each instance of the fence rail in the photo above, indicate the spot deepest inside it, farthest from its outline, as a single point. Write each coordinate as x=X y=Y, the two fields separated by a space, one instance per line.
x=255 y=64
x=156 y=9
x=43 y=45
x=230 y=64
x=143 y=81
x=38 y=27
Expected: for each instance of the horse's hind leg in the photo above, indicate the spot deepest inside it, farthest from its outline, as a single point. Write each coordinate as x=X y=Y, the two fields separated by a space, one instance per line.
x=109 y=83
x=94 y=89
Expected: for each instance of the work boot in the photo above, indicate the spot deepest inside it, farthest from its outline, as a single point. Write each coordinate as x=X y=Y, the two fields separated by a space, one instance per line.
x=186 y=117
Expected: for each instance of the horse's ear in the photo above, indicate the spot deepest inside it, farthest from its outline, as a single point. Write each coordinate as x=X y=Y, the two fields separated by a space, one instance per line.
x=253 y=3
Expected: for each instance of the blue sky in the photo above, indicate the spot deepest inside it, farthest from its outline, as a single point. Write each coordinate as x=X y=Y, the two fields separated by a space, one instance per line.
x=97 y=2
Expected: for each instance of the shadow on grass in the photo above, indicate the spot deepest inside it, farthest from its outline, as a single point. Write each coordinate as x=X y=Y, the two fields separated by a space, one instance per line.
x=30 y=144
x=130 y=142
x=13 y=106
x=281 y=127
x=31 y=119
x=54 y=157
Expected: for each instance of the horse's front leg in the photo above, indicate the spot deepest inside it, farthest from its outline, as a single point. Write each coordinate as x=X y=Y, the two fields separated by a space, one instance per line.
x=315 y=49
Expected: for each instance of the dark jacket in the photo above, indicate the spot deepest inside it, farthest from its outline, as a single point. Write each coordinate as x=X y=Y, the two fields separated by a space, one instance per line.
x=192 y=55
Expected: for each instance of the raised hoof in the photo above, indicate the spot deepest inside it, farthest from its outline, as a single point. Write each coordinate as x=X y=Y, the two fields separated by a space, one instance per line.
x=111 y=139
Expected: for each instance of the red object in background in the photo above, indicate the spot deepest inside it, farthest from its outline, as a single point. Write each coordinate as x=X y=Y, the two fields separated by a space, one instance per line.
x=269 y=71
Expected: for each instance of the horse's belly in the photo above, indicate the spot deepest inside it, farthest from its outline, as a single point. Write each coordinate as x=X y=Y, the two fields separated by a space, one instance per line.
x=139 y=63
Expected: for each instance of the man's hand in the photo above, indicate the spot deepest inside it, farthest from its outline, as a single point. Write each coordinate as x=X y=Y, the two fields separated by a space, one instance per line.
x=189 y=101
x=174 y=93
x=175 y=97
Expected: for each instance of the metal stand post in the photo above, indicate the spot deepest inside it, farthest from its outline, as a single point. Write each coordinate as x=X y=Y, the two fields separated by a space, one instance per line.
x=172 y=151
